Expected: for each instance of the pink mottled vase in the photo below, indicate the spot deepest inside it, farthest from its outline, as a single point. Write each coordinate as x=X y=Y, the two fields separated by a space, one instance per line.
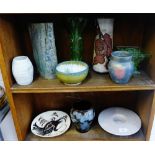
x=121 y=66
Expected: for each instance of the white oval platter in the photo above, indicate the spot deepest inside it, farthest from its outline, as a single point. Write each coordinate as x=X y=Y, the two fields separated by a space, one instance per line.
x=50 y=124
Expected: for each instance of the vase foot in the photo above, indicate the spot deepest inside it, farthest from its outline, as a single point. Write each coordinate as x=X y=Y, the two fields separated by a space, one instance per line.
x=49 y=77
x=72 y=84
x=82 y=131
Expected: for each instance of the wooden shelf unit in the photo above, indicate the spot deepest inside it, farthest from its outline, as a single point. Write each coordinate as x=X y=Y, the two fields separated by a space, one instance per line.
x=94 y=82
x=28 y=101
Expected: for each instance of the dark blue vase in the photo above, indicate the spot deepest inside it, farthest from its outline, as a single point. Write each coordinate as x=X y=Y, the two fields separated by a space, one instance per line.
x=82 y=115
x=121 y=66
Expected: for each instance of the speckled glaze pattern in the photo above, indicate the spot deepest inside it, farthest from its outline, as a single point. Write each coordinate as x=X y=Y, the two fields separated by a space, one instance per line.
x=44 y=49
x=121 y=67
x=82 y=119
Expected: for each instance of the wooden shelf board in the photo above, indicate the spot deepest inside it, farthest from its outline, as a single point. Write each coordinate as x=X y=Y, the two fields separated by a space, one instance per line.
x=94 y=82
x=95 y=133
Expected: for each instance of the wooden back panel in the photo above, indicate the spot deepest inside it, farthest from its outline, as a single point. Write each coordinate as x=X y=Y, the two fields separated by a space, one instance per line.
x=128 y=31
x=99 y=100
x=149 y=45
x=15 y=40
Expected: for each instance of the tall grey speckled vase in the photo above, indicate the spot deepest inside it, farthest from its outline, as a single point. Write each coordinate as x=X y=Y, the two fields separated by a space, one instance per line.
x=44 y=50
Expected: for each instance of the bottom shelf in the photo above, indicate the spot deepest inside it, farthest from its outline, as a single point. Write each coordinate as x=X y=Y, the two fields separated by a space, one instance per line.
x=96 y=133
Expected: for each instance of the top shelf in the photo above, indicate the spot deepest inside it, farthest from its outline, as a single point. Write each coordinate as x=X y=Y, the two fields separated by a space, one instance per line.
x=94 y=82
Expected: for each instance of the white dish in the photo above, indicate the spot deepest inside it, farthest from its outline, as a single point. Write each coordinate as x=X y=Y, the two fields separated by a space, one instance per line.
x=50 y=124
x=119 y=121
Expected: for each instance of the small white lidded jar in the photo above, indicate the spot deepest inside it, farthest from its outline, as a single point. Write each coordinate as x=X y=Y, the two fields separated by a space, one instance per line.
x=22 y=70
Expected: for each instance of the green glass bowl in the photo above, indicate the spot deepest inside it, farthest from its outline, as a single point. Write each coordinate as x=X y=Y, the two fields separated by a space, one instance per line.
x=72 y=72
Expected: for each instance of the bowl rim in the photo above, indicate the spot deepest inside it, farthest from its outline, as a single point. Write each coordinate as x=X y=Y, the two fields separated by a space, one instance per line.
x=62 y=63
x=117 y=56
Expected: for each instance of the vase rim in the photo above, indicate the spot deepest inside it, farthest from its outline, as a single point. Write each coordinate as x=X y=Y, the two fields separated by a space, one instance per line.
x=121 y=55
x=130 y=46
x=107 y=19
x=82 y=105
x=20 y=58
x=37 y=23
x=72 y=62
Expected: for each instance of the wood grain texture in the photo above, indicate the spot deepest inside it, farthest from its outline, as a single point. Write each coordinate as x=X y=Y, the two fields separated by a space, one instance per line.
x=95 y=133
x=149 y=46
x=99 y=100
x=9 y=40
x=9 y=94
x=145 y=109
x=128 y=29
x=94 y=82
x=9 y=48
x=151 y=118
x=24 y=111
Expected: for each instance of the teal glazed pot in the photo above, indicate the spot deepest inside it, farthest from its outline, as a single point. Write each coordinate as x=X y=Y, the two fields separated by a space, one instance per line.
x=121 y=67
x=44 y=49
x=82 y=115
x=72 y=72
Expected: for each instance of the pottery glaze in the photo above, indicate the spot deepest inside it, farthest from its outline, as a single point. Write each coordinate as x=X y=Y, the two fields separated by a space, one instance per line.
x=121 y=67
x=22 y=70
x=119 y=121
x=50 y=123
x=138 y=56
x=82 y=115
x=103 y=45
x=44 y=49
x=72 y=72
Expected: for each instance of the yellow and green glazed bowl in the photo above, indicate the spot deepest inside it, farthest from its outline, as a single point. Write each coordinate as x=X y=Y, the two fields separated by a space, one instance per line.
x=72 y=72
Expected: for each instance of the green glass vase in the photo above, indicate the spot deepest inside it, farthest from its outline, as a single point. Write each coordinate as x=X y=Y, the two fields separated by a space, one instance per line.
x=76 y=45
x=76 y=27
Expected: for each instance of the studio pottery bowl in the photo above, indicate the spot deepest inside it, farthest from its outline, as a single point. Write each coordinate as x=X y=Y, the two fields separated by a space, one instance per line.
x=72 y=72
